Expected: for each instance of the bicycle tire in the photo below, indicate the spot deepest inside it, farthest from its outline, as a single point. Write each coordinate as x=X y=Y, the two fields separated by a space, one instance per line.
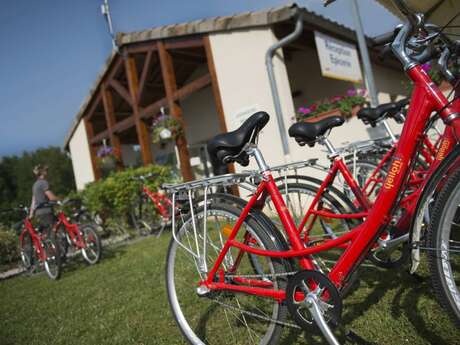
x=26 y=249
x=53 y=258
x=92 y=251
x=277 y=266
x=445 y=214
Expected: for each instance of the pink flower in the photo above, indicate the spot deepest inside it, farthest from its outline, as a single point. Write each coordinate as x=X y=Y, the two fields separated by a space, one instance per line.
x=313 y=107
x=304 y=110
x=336 y=99
x=362 y=92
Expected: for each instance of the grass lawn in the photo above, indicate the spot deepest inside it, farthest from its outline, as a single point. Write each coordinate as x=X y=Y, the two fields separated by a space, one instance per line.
x=122 y=300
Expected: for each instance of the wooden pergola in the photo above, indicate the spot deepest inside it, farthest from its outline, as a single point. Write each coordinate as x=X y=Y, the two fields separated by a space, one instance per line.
x=140 y=80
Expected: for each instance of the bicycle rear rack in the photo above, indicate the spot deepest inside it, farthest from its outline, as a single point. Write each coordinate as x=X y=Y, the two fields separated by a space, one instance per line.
x=195 y=194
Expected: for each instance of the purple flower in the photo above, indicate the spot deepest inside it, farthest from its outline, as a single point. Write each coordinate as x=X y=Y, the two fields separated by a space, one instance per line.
x=426 y=67
x=351 y=92
x=304 y=110
x=104 y=151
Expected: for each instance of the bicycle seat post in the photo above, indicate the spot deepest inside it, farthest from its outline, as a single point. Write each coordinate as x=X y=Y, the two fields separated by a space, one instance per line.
x=323 y=140
x=254 y=151
x=389 y=131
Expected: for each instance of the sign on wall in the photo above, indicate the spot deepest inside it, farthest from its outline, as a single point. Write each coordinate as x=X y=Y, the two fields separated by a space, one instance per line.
x=338 y=59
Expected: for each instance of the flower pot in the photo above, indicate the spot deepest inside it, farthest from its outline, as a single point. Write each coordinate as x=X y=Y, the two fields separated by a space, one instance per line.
x=323 y=115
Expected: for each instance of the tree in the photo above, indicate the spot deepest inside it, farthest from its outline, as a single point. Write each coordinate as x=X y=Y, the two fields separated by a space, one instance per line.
x=16 y=177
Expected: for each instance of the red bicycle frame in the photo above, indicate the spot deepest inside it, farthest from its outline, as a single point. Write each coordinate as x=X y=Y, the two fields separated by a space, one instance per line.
x=36 y=238
x=161 y=202
x=426 y=98
x=72 y=230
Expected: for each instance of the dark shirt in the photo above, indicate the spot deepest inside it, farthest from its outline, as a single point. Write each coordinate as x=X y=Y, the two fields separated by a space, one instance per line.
x=38 y=190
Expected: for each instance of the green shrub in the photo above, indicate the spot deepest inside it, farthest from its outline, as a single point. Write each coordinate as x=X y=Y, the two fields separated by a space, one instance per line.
x=8 y=246
x=113 y=197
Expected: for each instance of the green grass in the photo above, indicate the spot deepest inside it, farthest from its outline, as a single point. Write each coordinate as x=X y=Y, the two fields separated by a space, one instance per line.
x=122 y=300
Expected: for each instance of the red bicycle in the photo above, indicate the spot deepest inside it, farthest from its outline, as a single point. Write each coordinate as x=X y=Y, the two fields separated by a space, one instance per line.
x=151 y=211
x=79 y=237
x=38 y=247
x=215 y=291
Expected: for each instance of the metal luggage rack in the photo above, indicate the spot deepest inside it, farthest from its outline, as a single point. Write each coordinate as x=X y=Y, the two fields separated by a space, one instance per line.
x=364 y=145
x=188 y=197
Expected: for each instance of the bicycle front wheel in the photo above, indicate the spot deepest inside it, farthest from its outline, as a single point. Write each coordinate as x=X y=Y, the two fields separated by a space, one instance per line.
x=444 y=247
x=222 y=317
x=93 y=248
x=53 y=258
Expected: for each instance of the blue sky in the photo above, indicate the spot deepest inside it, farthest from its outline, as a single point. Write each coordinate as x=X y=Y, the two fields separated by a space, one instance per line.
x=52 y=51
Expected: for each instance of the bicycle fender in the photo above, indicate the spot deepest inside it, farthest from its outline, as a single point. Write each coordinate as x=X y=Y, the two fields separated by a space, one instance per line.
x=435 y=182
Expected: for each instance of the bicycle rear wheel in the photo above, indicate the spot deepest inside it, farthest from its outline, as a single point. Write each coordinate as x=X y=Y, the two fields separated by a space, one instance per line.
x=27 y=251
x=443 y=241
x=223 y=317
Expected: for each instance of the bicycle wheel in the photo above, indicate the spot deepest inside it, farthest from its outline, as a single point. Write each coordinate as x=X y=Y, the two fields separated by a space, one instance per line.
x=63 y=241
x=53 y=258
x=26 y=249
x=368 y=177
x=443 y=241
x=223 y=317
x=93 y=247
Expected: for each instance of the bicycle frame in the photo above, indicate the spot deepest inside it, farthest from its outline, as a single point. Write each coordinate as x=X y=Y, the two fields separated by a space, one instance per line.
x=36 y=238
x=426 y=98
x=72 y=230
x=161 y=202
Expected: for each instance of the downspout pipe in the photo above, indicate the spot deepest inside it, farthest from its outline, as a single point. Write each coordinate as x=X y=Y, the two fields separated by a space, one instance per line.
x=271 y=76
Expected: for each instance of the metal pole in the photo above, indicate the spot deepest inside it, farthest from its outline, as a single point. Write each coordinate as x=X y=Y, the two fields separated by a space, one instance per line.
x=368 y=74
x=271 y=76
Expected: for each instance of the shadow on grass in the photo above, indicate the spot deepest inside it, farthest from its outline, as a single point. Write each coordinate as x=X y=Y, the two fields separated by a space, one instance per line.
x=77 y=262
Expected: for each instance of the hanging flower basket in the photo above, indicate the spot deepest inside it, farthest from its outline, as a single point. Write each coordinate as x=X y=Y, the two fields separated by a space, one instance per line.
x=165 y=128
x=107 y=159
x=347 y=105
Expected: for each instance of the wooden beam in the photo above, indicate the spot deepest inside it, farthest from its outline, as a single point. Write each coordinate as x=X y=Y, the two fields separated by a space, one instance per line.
x=116 y=67
x=169 y=80
x=111 y=121
x=92 y=108
x=184 y=43
x=100 y=136
x=216 y=92
x=215 y=85
x=143 y=134
x=92 y=150
x=151 y=109
x=121 y=90
x=141 y=47
x=145 y=70
x=192 y=87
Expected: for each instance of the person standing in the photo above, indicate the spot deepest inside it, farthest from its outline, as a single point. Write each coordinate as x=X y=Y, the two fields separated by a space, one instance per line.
x=41 y=194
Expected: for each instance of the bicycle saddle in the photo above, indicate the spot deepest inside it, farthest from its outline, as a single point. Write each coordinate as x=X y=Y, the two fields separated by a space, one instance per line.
x=309 y=132
x=227 y=147
x=373 y=115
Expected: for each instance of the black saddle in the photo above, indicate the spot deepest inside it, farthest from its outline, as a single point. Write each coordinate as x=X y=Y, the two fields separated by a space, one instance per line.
x=373 y=115
x=309 y=132
x=228 y=147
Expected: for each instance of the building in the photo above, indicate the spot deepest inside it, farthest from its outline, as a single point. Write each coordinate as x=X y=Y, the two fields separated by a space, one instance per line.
x=211 y=75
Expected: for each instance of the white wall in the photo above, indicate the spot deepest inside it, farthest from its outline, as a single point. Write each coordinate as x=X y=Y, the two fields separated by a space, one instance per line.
x=239 y=58
x=81 y=157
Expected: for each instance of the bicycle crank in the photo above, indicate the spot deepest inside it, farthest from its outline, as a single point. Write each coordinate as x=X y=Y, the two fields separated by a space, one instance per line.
x=312 y=298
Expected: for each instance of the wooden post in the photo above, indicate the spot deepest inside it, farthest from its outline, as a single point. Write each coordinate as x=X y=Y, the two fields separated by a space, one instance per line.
x=216 y=91
x=107 y=101
x=169 y=80
x=141 y=128
x=92 y=151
